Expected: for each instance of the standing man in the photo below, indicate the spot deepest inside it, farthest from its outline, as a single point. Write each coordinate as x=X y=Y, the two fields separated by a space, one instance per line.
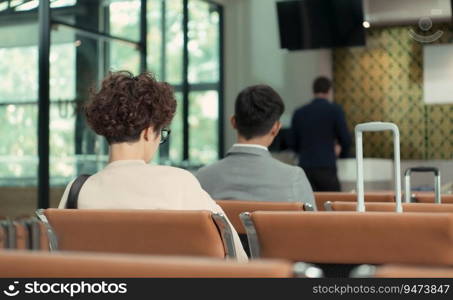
x=320 y=135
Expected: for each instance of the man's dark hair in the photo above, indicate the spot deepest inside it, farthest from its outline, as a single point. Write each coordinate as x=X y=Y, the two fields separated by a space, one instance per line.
x=125 y=105
x=257 y=109
x=322 y=85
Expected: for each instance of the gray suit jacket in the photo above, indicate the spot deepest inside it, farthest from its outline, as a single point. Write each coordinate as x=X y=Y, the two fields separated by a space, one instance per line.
x=248 y=173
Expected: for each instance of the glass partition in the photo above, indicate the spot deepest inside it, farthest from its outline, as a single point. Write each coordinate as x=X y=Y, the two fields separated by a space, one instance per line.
x=88 y=39
x=203 y=121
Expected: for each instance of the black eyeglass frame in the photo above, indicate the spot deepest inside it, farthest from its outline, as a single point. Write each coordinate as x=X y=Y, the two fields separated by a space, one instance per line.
x=164 y=135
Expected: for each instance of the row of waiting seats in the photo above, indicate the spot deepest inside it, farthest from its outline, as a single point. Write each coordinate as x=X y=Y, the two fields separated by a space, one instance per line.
x=23 y=234
x=140 y=243
x=274 y=232
x=418 y=197
x=19 y=264
x=28 y=233
x=389 y=207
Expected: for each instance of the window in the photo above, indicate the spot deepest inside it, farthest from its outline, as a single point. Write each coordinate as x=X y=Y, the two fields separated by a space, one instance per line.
x=183 y=48
x=203 y=121
x=204 y=80
x=204 y=42
x=18 y=106
x=124 y=21
x=166 y=60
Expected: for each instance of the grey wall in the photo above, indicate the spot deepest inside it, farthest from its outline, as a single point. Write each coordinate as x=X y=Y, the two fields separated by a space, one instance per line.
x=253 y=56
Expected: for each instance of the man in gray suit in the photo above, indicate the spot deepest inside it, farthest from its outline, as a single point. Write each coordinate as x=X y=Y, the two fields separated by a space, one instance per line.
x=249 y=172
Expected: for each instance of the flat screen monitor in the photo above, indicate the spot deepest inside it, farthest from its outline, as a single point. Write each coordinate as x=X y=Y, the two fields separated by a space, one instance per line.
x=314 y=24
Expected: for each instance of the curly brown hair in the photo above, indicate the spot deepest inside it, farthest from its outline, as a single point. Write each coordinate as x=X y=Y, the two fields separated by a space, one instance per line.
x=126 y=105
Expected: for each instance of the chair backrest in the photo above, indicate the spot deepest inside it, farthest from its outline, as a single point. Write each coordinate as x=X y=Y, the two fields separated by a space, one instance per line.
x=43 y=242
x=157 y=232
x=423 y=197
x=38 y=235
x=14 y=235
x=20 y=264
x=30 y=233
x=22 y=237
x=323 y=197
x=352 y=238
x=389 y=207
x=8 y=240
x=3 y=237
x=233 y=208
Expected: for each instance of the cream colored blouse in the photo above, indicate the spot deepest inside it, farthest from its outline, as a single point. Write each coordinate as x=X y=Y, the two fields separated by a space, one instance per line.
x=132 y=184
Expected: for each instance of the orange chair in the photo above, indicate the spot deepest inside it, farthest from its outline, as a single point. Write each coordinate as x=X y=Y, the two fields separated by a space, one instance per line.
x=233 y=208
x=390 y=207
x=323 y=197
x=8 y=236
x=38 y=235
x=402 y=271
x=352 y=238
x=19 y=264
x=423 y=197
x=14 y=235
x=22 y=241
x=3 y=237
x=157 y=232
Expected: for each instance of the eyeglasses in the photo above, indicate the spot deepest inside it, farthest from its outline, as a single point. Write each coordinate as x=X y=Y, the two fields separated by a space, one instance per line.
x=164 y=135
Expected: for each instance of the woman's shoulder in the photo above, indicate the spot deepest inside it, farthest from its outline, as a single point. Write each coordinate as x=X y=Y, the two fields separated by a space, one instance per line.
x=177 y=176
x=136 y=172
x=170 y=171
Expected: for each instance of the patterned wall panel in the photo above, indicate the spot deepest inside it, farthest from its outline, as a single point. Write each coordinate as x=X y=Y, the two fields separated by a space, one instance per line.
x=383 y=82
x=440 y=131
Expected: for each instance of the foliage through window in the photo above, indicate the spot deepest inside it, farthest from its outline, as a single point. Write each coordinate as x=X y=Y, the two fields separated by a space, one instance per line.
x=78 y=62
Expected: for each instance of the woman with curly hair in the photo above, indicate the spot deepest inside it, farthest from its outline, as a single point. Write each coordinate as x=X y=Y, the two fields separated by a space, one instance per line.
x=133 y=113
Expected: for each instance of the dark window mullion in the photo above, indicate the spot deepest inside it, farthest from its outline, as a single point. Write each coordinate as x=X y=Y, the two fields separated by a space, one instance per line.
x=164 y=150
x=44 y=104
x=185 y=84
x=143 y=36
x=221 y=126
x=95 y=34
x=163 y=50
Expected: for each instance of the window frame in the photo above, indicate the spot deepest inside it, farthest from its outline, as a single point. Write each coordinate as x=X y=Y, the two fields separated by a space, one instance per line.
x=46 y=19
x=185 y=87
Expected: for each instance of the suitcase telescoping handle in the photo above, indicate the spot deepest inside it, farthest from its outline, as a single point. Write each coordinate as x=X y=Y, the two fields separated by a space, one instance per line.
x=373 y=127
x=407 y=181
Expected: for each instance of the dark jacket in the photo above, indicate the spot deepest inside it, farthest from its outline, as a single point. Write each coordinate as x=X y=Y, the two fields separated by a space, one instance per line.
x=315 y=128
